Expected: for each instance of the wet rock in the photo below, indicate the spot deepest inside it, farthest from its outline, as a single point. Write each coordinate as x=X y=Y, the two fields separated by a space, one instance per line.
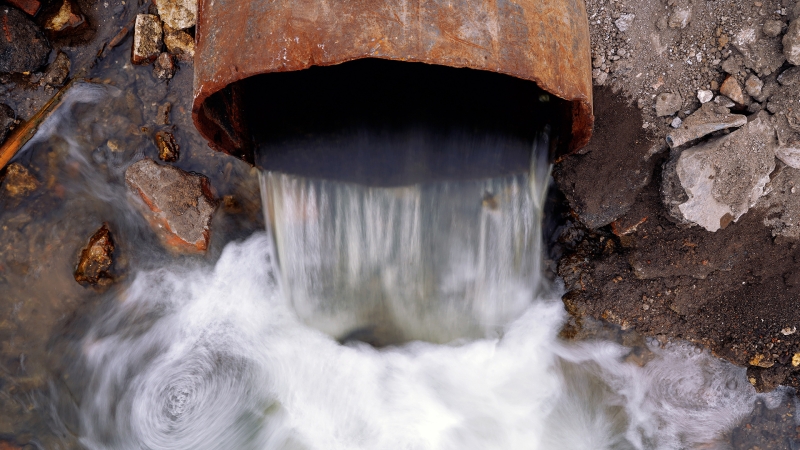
x=706 y=120
x=680 y=18
x=57 y=71
x=731 y=89
x=146 y=39
x=753 y=86
x=7 y=120
x=178 y=14
x=179 y=205
x=168 y=149
x=720 y=179
x=704 y=96
x=67 y=17
x=18 y=181
x=164 y=68
x=763 y=56
x=23 y=46
x=732 y=65
x=179 y=43
x=96 y=259
x=31 y=7
x=791 y=43
x=772 y=28
x=668 y=104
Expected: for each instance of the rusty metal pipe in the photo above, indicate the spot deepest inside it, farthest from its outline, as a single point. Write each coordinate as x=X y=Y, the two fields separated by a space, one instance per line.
x=544 y=41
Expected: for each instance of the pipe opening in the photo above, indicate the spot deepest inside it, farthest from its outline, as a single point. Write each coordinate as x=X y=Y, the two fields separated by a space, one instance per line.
x=383 y=122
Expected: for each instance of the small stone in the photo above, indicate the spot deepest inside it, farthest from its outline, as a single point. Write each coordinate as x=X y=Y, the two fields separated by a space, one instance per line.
x=146 y=39
x=95 y=260
x=772 y=28
x=790 y=77
x=680 y=18
x=760 y=360
x=168 y=149
x=791 y=43
x=714 y=85
x=624 y=22
x=732 y=65
x=164 y=68
x=788 y=331
x=753 y=86
x=704 y=96
x=7 y=119
x=179 y=205
x=23 y=47
x=57 y=71
x=731 y=89
x=676 y=122
x=599 y=77
x=162 y=115
x=796 y=360
x=179 y=43
x=68 y=16
x=31 y=7
x=668 y=104
x=178 y=14
x=723 y=101
x=18 y=181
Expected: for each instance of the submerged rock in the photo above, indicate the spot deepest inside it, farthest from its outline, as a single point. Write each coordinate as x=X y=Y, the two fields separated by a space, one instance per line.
x=164 y=68
x=168 y=149
x=731 y=89
x=179 y=205
x=715 y=183
x=57 y=71
x=23 y=47
x=146 y=39
x=18 y=181
x=95 y=260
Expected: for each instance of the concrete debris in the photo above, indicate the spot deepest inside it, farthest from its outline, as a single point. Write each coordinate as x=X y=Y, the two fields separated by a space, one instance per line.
x=18 y=181
x=791 y=43
x=178 y=14
x=146 y=39
x=164 y=68
x=753 y=86
x=764 y=56
x=624 y=22
x=96 y=259
x=179 y=43
x=668 y=104
x=704 y=96
x=680 y=18
x=179 y=205
x=57 y=71
x=715 y=183
x=706 y=120
x=23 y=46
x=68 y=16
x=772 y=28
x=7 y=120
x=168 y=149
x=731 y=89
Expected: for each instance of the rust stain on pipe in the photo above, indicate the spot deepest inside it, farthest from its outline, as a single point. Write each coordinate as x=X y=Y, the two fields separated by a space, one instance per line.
x=545 y=41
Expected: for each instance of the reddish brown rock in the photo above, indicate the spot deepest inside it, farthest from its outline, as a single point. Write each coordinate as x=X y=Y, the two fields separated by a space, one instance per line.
x=179 y=205
x=168 y=149
x=31 y=7
x=731 y=89
x=95 y=260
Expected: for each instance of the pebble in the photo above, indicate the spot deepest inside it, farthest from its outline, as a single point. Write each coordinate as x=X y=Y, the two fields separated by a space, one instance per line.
x=624 y=22
x=57 y=71
x=676 y=122
x=164 y=68
x=146 y=39
x=168 y=148
x=731 y=89
x=753 y=86
x=668 y=103
x=68 y=16
x=772 y=28
x=18 y=181
x=680 y=18
x=95 y=259
x=704 y=96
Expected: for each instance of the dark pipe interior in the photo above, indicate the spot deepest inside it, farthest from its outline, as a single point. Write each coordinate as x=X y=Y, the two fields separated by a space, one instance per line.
x=381 y=122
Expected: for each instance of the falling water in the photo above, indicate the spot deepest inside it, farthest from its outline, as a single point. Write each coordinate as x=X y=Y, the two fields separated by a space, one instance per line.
x=262 y=350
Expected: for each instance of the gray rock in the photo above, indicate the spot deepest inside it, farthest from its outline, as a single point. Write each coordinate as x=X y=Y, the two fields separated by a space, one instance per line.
x=178 y=205
x=680 y=18
x=178 y=14
x=668 y=104
x=723 y=178
x=624 y=22
x=706 y=120
x=753 y=86
x=704 y=96
x=787 y=129
x=772 y=28
x=146 y=39
x=676 y=122
x=791 y=43
x=763 y=56
x=790 y=77
x=57 y=71
x=7 y=119
x=23 y=46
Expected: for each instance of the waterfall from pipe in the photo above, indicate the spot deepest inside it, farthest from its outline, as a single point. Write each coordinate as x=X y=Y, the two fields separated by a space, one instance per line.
x=263 y=349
